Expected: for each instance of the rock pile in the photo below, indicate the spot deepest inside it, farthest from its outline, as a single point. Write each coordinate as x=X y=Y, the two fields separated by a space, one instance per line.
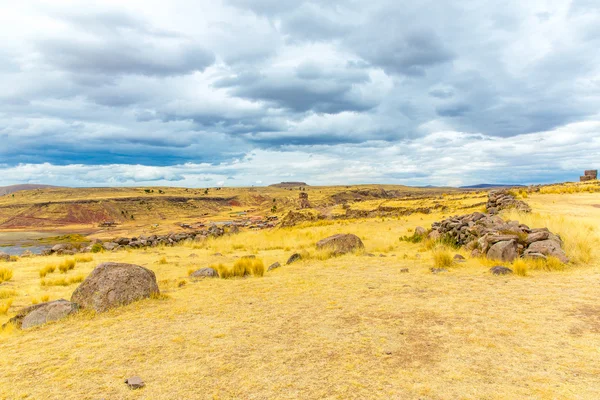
x=490 y=235
x=502 y=200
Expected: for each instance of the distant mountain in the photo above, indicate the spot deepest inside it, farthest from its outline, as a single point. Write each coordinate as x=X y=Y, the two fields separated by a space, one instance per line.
x=4 y=190
x=489 y=186
x=288 y=184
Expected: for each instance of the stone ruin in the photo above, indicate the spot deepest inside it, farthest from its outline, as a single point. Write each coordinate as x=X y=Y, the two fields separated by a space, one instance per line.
x=502 y=199
x=589 y=175
x=487 y=234
x=304 y=203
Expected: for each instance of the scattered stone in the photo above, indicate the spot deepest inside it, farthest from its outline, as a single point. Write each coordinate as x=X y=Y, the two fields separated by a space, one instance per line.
x=459 y=258
x=341 y=244
x=438 y=270
x=500 y=270
x=382 y=255
x=193 y=255
x=504 y=251
x=218 y=255
x=42 y=313
x=135 y=382
x=205 y=273
x=109 y=246
x=403 y=270
x=273 y=266
x=370 y=255
x=115 y=284
x=293 y=258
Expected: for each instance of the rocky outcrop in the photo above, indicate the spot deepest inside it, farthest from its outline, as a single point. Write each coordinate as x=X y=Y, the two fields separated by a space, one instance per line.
x=293 y=218
x=502 y=200
x=42 y=313
x=490 y=235
x=115 y=284
x=341 y=244
x=303 y=198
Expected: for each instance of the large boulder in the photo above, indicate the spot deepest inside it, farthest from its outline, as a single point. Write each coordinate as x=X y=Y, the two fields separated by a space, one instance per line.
x=506 y=251
x=115 y=284
x=341 y=244
x=549 y=248
x=42 y=313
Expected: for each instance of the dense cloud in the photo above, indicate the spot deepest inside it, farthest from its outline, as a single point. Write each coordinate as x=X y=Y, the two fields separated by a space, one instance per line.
x=201 y=92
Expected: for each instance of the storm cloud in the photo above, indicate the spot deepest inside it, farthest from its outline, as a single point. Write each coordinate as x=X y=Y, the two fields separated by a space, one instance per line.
x=370 y=91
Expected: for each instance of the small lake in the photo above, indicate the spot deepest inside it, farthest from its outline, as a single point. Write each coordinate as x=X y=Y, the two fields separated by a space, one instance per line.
x=15 y=243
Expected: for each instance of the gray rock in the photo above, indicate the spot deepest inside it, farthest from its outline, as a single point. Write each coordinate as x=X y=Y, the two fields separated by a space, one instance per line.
x=341 y=244
x=42 y=313
x=135 y=382
x=537 y=237
x=293 y=258
x=205 y=273
x=438 y=270
x=115 y=284
x=500 y=270
x=4 y=256
x=109 y=246
x=26 y=253
x=420 y=231
x=535 y=256
x=459 y=258
x=273 y=266
x=549 y=248
x=504 y=251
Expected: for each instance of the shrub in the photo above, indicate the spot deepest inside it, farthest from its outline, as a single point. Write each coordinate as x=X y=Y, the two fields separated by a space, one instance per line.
x=442 y=258
x=6 y=293
x=66 y=265
x=5 y=306
x=258 y=268
x=48 y=269
x=242 y=267
x=45 y=298
x=163 y=260
x=5 y=274
x=84 y=258
x=97 y=248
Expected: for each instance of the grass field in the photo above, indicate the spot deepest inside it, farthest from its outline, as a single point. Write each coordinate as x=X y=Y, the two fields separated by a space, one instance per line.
x=351 y=327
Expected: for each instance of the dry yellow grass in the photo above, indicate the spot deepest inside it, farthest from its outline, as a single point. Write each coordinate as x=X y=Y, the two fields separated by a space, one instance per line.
x=6 y=274
x=350 y=327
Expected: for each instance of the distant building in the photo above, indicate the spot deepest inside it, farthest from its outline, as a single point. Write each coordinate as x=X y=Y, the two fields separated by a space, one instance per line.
x=589 y=175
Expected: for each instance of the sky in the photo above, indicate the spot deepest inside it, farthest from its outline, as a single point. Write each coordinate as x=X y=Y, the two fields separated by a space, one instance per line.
x=253 y=92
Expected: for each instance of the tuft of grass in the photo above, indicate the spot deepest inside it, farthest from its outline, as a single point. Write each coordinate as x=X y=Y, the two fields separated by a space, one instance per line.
x=241 y=268
x=84 y=258
x=258 y=268
x=45 y=298
x=62 y=281
x=48 y=269
x=6 y=293
x=163 y=260
x=66 y=266
x=5 y=274
x=14 y=258
x=97 y=248
x=442 y=257
x=520 y=267
x=5 y=306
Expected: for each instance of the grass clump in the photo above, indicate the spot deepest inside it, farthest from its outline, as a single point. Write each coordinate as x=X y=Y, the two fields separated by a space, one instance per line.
x=5 y=274
x=163 y=260
x=62 y=281
x=48 y=269
x=84 y=258
x=6 y=293
x=241 y=268
x=5 y=306
x=520 y=267
x=97 y=248
x=66 y=266
x=442 y=257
